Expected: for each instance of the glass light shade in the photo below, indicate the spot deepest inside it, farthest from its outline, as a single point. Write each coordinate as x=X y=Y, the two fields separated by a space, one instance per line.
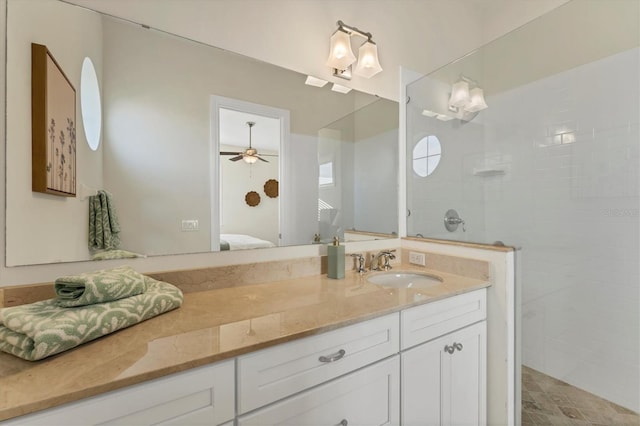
x=476 y=101
x=340 y=53
x=368 y=64
x=249 y=159
x=459 y=94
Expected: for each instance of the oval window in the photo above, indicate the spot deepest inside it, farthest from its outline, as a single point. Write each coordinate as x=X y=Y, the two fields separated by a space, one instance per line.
x=90 y=104
x=426 y=156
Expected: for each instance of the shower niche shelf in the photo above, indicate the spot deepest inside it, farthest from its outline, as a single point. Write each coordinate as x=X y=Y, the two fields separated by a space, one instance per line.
x=489 y=172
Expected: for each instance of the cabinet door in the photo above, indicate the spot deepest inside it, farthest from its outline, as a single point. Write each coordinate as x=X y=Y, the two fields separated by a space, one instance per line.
x=444 y=380
x=202 y=396
x=464 y=387
x=369 y=396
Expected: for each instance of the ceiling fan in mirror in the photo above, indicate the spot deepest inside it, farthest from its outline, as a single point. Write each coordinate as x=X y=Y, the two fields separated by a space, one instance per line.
x=249 y=155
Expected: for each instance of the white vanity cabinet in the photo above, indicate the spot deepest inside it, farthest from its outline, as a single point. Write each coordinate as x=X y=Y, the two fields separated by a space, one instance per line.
x=443 y=380
x=424 y=365
x=369 y=396
x=201 y=396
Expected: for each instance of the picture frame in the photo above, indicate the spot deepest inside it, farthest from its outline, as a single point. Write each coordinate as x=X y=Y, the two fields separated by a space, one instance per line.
x=53 y=126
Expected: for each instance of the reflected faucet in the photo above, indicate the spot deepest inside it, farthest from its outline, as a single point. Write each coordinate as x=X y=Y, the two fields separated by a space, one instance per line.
x=387 y=255
x=359 y=263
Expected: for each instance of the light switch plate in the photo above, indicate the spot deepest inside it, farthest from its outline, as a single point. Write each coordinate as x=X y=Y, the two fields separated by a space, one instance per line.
x=417 y=258
x=189 y=225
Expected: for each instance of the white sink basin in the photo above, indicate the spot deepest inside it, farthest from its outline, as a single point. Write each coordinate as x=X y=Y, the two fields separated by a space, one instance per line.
x=400 y=279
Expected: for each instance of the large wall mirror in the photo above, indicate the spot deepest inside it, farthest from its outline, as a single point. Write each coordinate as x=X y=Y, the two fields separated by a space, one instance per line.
x=169 y=108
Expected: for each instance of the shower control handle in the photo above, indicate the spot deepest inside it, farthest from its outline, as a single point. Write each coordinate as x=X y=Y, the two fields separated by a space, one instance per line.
x=452 y=220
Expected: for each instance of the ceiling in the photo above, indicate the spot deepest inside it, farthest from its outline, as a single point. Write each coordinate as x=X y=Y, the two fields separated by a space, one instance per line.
x=234 y=131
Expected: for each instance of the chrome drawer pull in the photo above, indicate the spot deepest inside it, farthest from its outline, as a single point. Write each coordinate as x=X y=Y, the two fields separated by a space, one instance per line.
x=449 y=349
x=333 y=357
x=344 y=422
x=458 y=346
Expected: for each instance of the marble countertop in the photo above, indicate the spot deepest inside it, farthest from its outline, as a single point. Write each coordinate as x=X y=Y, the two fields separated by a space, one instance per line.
x=210 y=326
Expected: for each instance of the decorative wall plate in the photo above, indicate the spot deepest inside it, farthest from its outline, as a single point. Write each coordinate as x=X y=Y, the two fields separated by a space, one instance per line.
x=252 y=198
x=271 y=188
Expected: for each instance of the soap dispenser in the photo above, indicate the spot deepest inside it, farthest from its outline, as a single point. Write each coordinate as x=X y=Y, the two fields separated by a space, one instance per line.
x=335 y=255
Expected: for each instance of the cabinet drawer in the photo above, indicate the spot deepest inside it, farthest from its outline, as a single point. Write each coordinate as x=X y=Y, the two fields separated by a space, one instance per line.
x=367 y=397
x=426 y=322
x=275 y=373
x=200 y=396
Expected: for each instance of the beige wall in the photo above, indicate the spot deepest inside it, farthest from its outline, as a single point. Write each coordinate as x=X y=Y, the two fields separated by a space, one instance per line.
x=46 y=227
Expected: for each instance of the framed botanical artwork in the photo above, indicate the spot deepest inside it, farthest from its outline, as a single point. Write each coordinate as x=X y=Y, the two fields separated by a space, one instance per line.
x=53 y=126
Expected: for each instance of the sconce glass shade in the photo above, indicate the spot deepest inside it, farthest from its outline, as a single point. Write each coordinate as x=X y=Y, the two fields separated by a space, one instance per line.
x=340 y=53
x=459 y=94
x=368 y=64
x=476 y=101
x=249 y=159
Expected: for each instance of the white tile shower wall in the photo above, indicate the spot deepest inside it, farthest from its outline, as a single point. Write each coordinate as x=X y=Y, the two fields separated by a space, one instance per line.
x=451 y=185
x=570 y=198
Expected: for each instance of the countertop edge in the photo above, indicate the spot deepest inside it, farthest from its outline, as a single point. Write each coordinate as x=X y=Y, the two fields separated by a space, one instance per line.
x=74 y=396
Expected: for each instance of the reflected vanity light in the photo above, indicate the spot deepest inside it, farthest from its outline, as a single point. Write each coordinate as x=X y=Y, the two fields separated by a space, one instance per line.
x=459 y=94
x=341 y=57
x=476 y=101
x=316 y=82
x=340 y=89
x=443 y=117
x=466 y=99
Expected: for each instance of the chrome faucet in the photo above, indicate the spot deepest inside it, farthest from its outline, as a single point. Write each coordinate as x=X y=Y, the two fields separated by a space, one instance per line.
x=359 y=263
x=386 y=255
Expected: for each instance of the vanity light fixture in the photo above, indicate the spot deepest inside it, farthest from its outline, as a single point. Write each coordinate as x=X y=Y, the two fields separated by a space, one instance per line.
x=462 y=97
x=313 y=81
x=341 y=57
x=340 y=89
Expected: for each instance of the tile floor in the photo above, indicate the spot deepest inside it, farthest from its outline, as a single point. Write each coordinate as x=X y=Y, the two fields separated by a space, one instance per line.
x=550 y=402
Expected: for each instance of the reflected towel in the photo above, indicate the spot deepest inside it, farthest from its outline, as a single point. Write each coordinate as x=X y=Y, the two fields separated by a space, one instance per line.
x=115 y=254
x=42 y=329
x=104 y=228
x=100 y=286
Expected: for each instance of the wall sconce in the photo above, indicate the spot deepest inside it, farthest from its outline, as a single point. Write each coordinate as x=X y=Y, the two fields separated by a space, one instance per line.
x=341 y=57
x=464 y=99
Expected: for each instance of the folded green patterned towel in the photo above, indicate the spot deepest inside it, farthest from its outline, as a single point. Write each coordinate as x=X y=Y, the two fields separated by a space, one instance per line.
x=98 y=287
x=42 y=329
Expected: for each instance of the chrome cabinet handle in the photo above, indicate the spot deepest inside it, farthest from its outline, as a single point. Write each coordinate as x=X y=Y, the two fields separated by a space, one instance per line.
x=451 y=349
x=344 y=422
x=333 y=357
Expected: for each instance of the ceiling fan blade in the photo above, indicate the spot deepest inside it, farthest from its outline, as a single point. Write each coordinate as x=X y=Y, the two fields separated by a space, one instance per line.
x=269 y=155
x=261 y=159
x=239 y=157
x=229 y=153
